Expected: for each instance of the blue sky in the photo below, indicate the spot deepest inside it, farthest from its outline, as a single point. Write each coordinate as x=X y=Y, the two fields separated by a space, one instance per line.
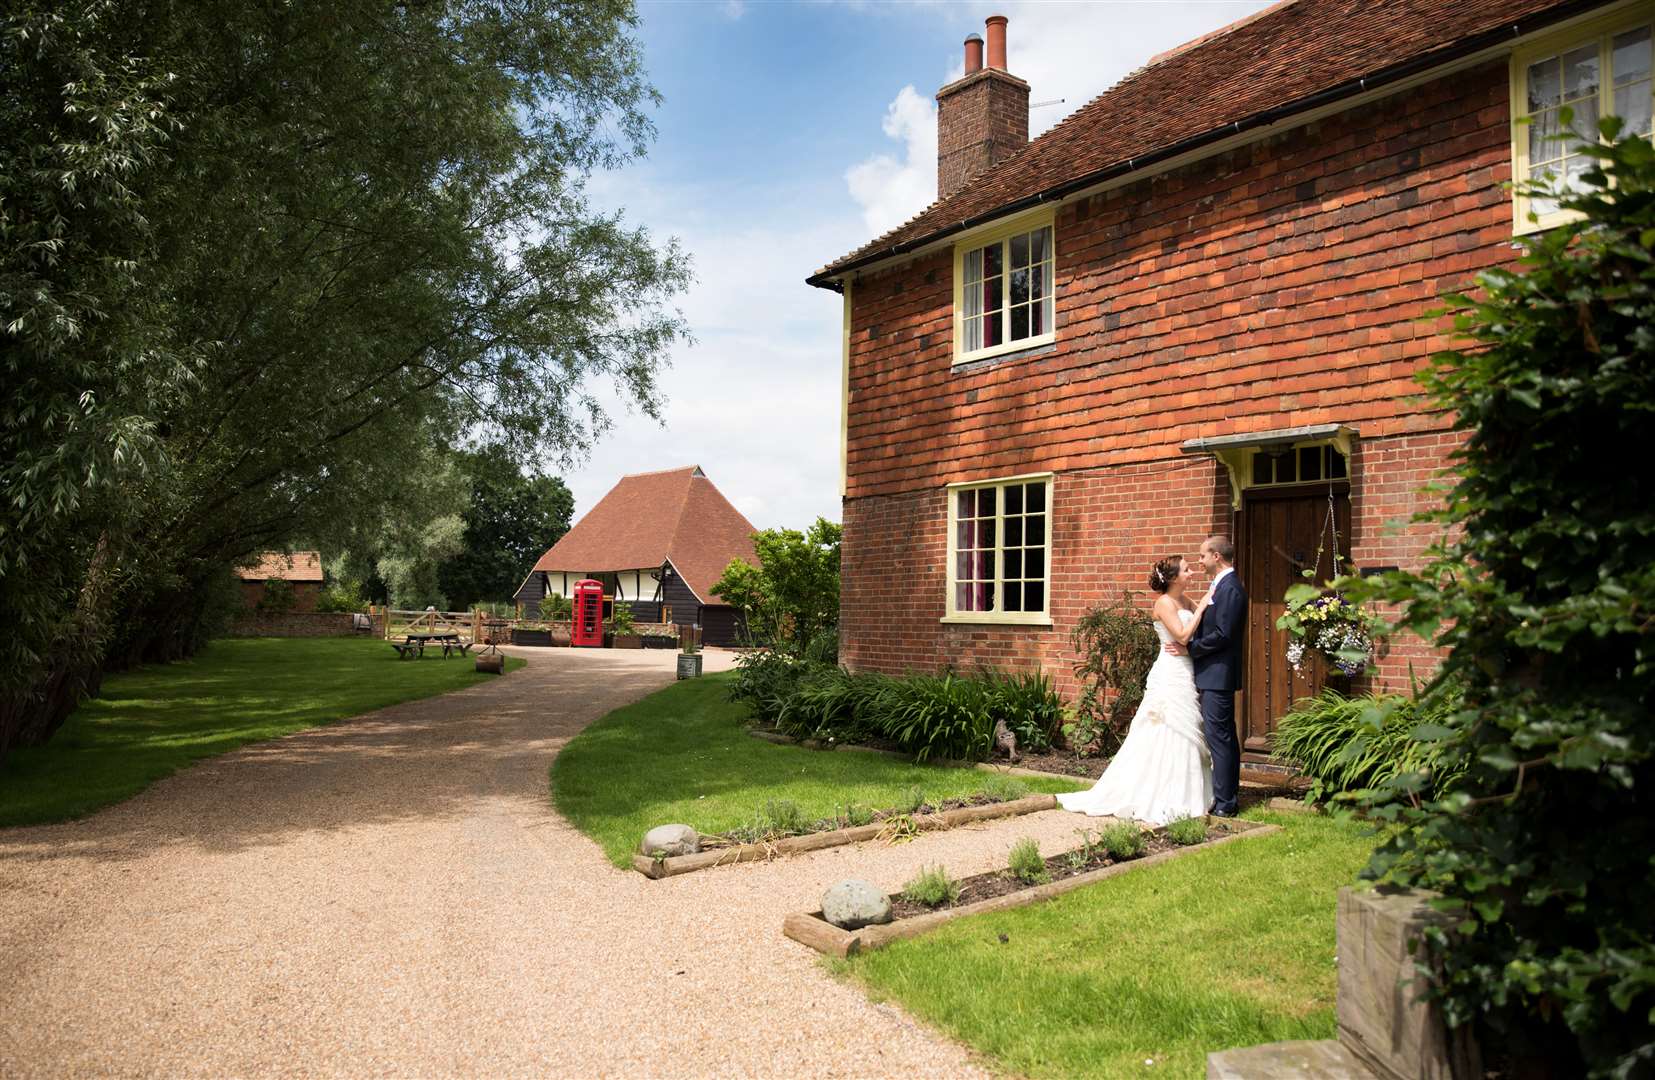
x=791 y=133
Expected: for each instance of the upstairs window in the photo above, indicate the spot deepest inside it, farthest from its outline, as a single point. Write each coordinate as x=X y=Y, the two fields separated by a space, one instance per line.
x=999 y=538
x=1593 y=73
x=1003 y=298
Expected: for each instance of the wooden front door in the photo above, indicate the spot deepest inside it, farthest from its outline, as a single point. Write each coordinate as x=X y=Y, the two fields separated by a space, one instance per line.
x=1281 y=530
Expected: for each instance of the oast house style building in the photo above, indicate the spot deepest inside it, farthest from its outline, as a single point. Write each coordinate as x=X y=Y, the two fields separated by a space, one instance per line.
x=1195 y=306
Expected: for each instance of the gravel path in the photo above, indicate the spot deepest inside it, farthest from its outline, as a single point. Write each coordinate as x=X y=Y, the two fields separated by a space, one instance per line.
x=395 y=895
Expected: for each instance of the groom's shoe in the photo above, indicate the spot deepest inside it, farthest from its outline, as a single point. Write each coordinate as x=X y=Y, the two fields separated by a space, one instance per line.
x=1223 y=813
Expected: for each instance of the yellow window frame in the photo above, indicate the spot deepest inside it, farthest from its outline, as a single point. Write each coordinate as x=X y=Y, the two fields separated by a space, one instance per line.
x=1000 y=232
x=1004 y=618
x=1604 y=30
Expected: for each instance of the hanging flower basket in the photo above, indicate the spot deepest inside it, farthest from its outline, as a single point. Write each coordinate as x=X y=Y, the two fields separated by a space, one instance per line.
x=1327 y=623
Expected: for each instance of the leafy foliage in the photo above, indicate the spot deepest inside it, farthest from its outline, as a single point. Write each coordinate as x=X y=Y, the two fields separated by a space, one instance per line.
x=939 y=716
x=1187 y=831
x=1026 y=863
x=1117 y=646
x=1003 y=789
x=791 y=598
x=1029 y=706
x=1351 y=745
x=343 y=594
x=621 y=621
x=1123 y=840
x=278 y=596
x=1330 y=624
x=509 y=520
x=932 y=886
x=1542 y=588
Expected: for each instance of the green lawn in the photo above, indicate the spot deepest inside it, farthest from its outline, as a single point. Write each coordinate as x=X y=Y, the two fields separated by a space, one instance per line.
x=1228 y=947
x=148 y=723
x=684 y=755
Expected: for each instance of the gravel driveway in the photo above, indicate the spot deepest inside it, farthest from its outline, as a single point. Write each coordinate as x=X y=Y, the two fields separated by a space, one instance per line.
x=395 y=895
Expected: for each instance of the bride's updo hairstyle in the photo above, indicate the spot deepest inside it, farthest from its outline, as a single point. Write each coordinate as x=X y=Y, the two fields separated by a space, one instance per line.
x=1165 y=572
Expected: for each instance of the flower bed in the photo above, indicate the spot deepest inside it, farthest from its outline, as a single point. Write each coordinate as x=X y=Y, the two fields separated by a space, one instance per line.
x=723 y=850
x=1001 y=889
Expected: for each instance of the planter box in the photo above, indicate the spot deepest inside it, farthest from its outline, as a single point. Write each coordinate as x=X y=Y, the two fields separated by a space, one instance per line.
x=540 y=638
x=653 y=642
x=626 y=641
x=689 y=665
x=824 y=937
x=789 y=845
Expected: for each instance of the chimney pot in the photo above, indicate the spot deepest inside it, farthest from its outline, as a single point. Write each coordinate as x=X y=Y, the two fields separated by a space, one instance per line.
x=996 y=27
x=973 y=54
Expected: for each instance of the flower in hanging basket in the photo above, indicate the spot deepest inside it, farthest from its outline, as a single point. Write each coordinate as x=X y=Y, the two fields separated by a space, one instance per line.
x=1328 y=623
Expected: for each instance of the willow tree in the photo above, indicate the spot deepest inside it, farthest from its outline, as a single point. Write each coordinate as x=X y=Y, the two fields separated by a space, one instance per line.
x=259 y=258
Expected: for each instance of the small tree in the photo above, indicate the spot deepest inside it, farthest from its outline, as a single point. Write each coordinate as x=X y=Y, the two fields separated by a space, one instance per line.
x=1116 y=646
x=1545 y=584
x=792 y=597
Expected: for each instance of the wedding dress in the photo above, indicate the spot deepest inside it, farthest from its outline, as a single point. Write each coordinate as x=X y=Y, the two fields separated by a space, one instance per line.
x=1163 y=771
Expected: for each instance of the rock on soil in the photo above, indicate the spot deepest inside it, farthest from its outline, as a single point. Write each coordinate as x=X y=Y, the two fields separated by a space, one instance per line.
x=852 y=904
x=670 y=841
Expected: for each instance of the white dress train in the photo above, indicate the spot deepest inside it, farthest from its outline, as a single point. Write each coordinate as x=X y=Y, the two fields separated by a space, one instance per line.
x=1163 y=770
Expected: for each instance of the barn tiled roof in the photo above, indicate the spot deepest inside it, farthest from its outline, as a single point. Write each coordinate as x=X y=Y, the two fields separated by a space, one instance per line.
x=297 y=566
x=649 y=518
x=1283 y=60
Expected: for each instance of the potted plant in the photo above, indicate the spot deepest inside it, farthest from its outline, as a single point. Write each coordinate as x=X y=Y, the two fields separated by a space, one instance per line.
x=623 y=631
x=659 y=636
x=531 y=633
x=689 y=659
x=1326 y=623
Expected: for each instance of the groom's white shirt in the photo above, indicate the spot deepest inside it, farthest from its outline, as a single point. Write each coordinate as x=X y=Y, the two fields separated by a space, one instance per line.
x=1220 y=577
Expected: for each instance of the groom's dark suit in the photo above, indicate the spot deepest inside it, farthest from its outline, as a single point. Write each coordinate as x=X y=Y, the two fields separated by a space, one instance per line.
x=1217 y=653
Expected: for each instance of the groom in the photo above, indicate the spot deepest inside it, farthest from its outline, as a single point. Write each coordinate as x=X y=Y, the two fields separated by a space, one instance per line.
x=1216 y=651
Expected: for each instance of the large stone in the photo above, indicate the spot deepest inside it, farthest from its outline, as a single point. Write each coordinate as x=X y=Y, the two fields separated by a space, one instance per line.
x=670 y=840
x=853 y=904
x=1325 y=1060
x=1382 y=1019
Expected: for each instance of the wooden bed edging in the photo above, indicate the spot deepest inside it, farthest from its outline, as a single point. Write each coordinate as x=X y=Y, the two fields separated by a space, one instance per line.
x=824 y=937
x=792 y=845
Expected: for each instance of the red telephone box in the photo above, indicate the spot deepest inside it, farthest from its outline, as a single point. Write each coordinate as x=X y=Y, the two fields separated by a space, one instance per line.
x=588 y=628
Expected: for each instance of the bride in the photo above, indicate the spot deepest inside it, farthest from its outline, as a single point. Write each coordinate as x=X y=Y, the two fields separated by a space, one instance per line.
x=1163 y=770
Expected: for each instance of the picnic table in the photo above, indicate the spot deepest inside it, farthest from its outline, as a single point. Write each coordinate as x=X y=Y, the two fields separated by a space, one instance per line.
x=414 y=644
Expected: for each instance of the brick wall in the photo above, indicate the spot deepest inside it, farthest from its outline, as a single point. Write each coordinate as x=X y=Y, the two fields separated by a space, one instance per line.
x=297 y=624
x=1108 y=528
x=1277 y=285
x=305 y=594
x=982 y=119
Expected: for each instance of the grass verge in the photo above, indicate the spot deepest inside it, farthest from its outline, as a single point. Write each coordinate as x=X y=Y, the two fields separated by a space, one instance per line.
x=684 y=755
x=148 y=723
x=1221 y=948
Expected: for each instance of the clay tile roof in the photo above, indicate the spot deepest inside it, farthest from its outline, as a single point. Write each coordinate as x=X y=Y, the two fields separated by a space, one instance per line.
x=298 y=566
x=1282 y=60
x=649 y=518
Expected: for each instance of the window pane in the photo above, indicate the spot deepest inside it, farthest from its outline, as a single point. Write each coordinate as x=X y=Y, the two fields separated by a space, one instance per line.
x=1014 y=499
x=985 y=502
x=1545 y=84
x=1632 y=104
x=966 y=536
x=1335 y=465
x=991 y=328
x=1035 y=497
x=1014 y=526
x=1037 y=281
x=1631 y=55
x=1012 y=596
x=1574 y=170
x=1034 y=529
x=992 y=256
x=1580 y=72
x=1020 y=286
x=1034 y=563
x=1034 y=596
x=974 y=265
x=1544 y=144
x=984 y=597
x=1019 y=323
x=1037 y=324
x=973 y=335
x=1040 y=244
x=1014 y=563
x=1046 y=323
x=963 y=593
x=1310 y=463
x=1020 y=250
x=1584 y=123
x=1261 y=467
x=985 y=533
x=991 y=293
x=964 y=503
x=962 y=566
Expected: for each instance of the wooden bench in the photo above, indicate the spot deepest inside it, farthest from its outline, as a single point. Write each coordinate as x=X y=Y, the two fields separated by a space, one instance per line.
x=405 y=649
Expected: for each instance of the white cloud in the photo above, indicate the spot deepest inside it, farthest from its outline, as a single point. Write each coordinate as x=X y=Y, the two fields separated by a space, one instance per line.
x=1068 y=51
x=890 y=190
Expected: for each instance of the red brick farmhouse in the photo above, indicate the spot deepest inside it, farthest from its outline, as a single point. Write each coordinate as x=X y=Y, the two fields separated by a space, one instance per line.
x=1193 y=307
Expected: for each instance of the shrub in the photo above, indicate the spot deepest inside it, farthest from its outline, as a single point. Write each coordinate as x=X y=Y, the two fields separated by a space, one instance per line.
x=932 y=887
x=831 y=703
x=857 y=814
x=1540 y=589
x=1029 y=706
x=557 y=607
x=1003 y=788
x=939 y=717
x=1117 y=645
x=278 y=596
x=1187 y=831
x=911 y=800
x=1346 y=745
x=1122 y=840
x=621 y=621
x=1026 y=864
x=784 y=817
x=345 y=594
x=765 y=680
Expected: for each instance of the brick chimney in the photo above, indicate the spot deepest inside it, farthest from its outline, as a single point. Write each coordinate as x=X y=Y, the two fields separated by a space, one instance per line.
x=982 y=117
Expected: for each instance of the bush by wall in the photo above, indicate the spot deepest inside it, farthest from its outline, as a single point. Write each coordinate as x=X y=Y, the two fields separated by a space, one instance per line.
x=1348 y=745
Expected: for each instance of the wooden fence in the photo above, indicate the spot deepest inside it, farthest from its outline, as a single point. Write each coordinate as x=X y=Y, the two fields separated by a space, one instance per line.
x=399 y=623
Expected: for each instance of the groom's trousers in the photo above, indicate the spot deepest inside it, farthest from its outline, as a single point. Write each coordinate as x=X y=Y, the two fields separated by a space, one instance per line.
x=1218 y=724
